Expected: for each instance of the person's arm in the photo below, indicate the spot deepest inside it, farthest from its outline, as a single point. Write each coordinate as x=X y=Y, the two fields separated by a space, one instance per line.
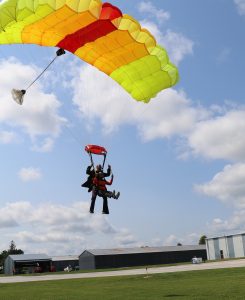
x=111 y=181
x=88 y=171
x=108 y=172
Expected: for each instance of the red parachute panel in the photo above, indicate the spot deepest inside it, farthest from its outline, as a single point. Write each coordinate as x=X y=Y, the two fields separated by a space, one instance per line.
x=94 y=149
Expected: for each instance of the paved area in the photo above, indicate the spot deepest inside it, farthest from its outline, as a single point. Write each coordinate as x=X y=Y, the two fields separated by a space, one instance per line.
x=157 y=270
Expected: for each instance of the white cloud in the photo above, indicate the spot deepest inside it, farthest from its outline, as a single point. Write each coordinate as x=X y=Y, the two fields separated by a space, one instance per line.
x=170 y=113
x=14 y=213
x=156 y=242
x=159 y=14
x=30 y=174
x=187 y=239
x=39 y=115
x=227 y=185
x=172 y=240
x=215 y=133
x=49 y=237
x=240 y=5
x=6 y=222
x=7 y=137
x=221 y=137
x=125 y=238
x=176 y=44
x=233 y=224
x=44 y=226
x=219 y=227
x=45 y=146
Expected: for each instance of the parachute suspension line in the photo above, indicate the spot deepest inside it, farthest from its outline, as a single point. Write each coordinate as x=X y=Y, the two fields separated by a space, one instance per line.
x=141 y=112
x=91 y=159
x=59 y=52
x=104 y=162
x=92 y=162
x=73 y=135
x=18 y=95
x=88 y=126
x=41 y=73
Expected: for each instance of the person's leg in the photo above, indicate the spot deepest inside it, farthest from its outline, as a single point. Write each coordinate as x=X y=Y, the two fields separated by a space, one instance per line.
x=94 y=194
x=117 y=195
x=85 y=184
x=103 y=193
x=114 y=195
x=90 y=187
x=105 y=206
x=108 y=194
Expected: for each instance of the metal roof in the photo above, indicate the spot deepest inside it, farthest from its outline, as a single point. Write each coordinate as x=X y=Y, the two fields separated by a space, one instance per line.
x=225 y=235
x=65 y=257
x=29 y=257
x=119 y=251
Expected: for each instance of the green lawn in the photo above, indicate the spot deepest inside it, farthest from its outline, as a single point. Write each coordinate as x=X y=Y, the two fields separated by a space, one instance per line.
x=208 y=284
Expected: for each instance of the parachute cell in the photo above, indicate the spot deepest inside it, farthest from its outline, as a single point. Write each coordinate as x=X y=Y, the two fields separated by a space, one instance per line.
x=96 y=32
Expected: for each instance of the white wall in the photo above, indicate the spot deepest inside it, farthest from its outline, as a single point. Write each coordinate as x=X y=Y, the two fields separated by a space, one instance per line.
x=223 y=246
x=221 y=243
x=238 y=246
x=210 y=249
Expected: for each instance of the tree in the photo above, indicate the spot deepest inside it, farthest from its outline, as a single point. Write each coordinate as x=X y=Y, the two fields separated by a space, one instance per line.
x=3 y=256
x=179 y=244
x=12 y=246
x=202 y=240
x=12 y=250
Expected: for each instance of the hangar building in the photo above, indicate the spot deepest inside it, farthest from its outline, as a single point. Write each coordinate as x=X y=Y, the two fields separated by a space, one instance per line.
x=143 y=256
x=226 y=246
x=26 y=263
x=59 y=263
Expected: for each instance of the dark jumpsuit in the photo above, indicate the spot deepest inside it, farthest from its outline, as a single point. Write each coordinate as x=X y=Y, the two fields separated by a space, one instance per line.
x=98 y=186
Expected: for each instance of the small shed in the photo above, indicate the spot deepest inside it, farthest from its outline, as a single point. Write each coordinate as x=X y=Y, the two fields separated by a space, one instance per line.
x=59 y=263
x=143 y=256
x=26 y=263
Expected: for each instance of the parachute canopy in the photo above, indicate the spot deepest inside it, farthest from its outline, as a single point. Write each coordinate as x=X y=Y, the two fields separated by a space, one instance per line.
x=96 y=32
x=94 y=149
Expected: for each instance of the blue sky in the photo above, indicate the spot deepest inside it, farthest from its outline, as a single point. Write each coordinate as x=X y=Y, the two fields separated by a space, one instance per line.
x=178 y=161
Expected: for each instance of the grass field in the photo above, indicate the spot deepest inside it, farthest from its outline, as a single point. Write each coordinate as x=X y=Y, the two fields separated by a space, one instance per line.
x=208 y=284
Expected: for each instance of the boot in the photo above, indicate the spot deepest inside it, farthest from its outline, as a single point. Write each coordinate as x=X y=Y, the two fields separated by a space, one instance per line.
x=117 y=195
